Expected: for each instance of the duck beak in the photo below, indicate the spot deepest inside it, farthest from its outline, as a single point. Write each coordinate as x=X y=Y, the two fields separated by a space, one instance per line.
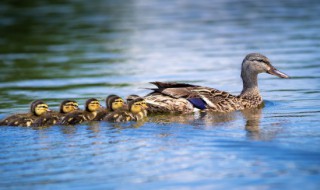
x=48 y=110
x=274 y=71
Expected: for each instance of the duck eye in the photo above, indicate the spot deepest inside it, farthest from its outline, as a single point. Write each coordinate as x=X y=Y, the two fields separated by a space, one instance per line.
x=261 y=60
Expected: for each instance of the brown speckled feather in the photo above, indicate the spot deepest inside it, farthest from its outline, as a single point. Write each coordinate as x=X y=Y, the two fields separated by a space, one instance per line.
x=78 y=117
x=23 y=120
x=174 y=100
x=48 y=119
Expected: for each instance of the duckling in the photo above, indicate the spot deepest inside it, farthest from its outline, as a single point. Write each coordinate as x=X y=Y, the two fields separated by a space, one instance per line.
x=92 y=106
x=143 y=102
x=51 y=118
x=131 y=97
x=171 y=97
x=136 y=112
x=37 y=109
x=113 y=103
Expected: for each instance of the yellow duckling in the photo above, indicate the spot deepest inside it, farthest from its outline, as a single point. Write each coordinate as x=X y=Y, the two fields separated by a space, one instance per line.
x=92 y=107
x=51 y=118
x=113 y=103
x=137 y=111
x=37 y=109
x=143 y=102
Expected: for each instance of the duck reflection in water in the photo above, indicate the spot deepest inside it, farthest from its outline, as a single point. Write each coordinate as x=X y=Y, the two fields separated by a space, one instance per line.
x=253 y=125
x=251 y=117
x=206 y=119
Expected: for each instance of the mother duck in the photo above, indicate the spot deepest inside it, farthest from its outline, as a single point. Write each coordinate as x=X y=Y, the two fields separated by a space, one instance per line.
x=170 y=97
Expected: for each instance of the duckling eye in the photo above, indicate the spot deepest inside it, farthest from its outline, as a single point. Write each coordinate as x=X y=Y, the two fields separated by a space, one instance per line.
x=42 y=106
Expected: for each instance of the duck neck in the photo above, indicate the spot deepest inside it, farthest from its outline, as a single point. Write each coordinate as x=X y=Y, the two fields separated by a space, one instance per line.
x=250 y=85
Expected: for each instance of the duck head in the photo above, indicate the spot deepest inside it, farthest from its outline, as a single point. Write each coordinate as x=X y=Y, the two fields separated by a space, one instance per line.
x=133 y=97
x=92 y=105
x=137 y=105
x=114 y=102
x=68 y=106
x=38 y=107
x=255 y=63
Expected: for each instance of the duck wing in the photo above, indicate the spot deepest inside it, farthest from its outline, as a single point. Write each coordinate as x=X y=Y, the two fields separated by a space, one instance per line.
x=171 y=84
x=200 y=97
x=216 y=100
x=173 y=89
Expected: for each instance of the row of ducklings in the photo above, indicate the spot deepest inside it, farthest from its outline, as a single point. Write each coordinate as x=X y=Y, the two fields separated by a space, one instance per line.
x=116 y=110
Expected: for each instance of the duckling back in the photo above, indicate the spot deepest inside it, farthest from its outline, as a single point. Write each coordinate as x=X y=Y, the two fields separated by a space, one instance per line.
x=23 y=120
x=119 y=116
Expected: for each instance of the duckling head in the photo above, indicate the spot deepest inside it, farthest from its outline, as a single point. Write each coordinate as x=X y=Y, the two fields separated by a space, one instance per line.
x=114 y=102
x=255 y=63
x=137 y=105
x=133 y=97
x=38 y=107
x=68 y=106
x=92 y=105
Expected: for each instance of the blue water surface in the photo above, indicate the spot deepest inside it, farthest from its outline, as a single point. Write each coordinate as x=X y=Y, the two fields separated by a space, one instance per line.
x=53 y=50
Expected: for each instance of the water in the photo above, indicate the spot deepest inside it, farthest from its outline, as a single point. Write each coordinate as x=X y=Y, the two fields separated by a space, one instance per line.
x=53 y=50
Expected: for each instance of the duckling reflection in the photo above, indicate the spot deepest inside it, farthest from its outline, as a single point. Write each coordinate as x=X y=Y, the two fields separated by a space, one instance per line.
x=130 y=124
x=94 y=126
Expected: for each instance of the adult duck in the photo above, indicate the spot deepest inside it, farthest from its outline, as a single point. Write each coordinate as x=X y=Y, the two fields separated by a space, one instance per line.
x=170 y=97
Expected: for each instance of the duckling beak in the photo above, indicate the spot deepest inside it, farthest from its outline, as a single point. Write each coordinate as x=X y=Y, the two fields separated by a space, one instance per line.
x=274 y=71
x=48 y=110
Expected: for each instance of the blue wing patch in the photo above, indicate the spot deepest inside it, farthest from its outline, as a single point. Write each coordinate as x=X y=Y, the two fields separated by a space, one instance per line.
x=198 y=103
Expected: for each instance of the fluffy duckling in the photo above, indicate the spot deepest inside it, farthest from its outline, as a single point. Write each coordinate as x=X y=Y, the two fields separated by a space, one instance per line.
x=113 y=103
x=137 y=111
x=37 y=109
x=91 y=109
x=143 y=102
x=51 y=118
